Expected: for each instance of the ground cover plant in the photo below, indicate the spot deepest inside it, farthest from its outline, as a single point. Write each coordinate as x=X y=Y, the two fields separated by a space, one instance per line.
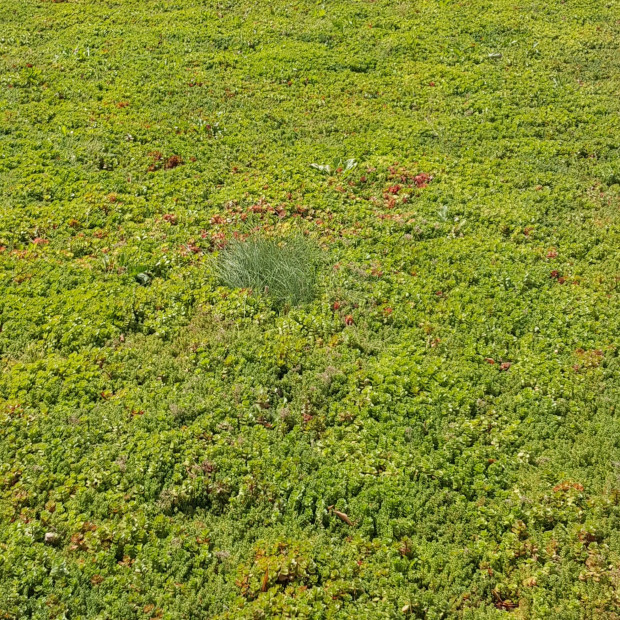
x=433 y=432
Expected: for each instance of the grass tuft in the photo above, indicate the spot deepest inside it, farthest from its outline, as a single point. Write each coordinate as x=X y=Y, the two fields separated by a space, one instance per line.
x=284 y=270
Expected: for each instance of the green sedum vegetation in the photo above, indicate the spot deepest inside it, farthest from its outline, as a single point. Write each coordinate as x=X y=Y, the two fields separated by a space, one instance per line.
x=433 y=433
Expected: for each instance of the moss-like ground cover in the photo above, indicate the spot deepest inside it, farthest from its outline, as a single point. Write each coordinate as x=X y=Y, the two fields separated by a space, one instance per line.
x=435 y=434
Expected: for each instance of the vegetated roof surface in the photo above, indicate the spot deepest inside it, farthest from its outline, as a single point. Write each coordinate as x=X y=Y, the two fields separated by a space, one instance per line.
x=434 y=433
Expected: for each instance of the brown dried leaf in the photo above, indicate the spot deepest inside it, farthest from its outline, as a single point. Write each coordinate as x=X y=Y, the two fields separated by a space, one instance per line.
x=343 y=517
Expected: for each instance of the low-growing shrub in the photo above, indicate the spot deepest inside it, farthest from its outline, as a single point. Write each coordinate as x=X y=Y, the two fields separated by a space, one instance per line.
x=284 y=270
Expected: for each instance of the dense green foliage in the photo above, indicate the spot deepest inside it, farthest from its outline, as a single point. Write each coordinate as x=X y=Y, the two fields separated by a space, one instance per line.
x=435 y=434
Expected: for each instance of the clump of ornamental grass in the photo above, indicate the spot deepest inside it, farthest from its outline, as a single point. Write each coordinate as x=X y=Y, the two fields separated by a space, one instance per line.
x=285 y=270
